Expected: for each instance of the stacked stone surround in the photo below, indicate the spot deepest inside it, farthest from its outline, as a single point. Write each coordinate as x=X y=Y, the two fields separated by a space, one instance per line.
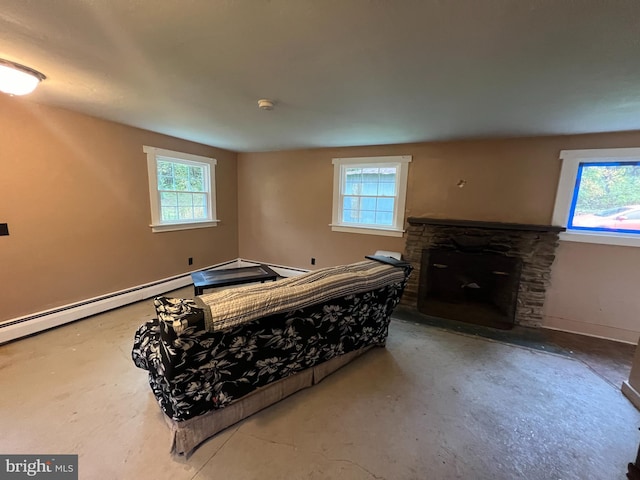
x=534 y=244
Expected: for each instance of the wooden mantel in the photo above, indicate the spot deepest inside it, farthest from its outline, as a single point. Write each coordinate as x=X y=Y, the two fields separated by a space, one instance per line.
x=488 y=225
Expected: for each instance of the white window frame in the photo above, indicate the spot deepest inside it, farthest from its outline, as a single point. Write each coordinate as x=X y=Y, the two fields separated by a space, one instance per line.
x=401 y=162
x=157 y=225
x=571 y=159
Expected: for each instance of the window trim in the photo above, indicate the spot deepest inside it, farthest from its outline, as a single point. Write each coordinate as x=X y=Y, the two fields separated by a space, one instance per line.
x=571 y=159
x=157 y=225
x=397 y=230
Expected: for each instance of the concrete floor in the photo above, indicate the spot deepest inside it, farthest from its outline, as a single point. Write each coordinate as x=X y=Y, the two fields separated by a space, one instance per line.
x=434 y=404
x=611 y=360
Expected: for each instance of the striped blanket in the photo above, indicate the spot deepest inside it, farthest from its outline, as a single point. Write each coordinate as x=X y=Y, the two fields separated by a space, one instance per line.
x=234 y=306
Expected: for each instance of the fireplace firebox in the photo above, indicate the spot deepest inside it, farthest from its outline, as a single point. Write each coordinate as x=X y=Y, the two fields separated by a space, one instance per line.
x=474 y=287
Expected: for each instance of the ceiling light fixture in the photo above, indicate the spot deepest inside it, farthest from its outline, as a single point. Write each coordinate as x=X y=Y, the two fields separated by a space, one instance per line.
x=265 y=104
x=16 y=79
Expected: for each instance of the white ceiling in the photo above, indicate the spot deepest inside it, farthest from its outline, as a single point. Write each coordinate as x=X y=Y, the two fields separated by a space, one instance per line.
x=342 y=72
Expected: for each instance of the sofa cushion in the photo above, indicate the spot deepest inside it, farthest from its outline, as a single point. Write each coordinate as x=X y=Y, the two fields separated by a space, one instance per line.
x=179 y=314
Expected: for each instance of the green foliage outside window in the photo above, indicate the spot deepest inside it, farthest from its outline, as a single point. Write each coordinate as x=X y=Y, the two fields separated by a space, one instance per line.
x=607 y=186
x=182 y=191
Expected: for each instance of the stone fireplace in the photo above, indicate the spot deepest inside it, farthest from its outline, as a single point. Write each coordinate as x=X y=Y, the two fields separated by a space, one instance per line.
x=489 y=273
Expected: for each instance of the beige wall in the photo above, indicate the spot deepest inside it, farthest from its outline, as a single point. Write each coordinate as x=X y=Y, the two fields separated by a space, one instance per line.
x=595 y=291
x=285 y=198
x=284 y=201
x=74 y=192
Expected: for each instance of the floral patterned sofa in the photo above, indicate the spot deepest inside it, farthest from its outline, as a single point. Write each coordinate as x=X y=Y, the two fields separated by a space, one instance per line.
x=228 y=354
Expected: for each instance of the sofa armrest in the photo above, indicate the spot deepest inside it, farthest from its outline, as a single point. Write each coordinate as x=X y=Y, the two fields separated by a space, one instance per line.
x=145 y=337
x=392 y=261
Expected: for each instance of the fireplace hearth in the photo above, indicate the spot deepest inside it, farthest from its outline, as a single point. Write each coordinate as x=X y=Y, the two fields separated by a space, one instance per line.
x=487 y=273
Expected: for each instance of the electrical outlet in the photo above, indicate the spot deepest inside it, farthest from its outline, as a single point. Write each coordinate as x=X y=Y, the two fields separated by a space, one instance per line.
x=313 y=261
x=190 y=260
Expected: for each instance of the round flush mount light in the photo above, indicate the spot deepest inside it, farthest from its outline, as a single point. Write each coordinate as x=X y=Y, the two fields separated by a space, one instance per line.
x=16 y=79
x=265 y=104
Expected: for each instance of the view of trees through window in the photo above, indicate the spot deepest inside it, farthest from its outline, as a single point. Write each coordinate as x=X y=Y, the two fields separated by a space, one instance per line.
x=607 y=197
x=182 y=189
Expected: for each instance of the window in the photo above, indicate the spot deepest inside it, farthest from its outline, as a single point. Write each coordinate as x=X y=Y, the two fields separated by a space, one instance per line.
x=598 y=197
x=369 y=195
x=181 y=190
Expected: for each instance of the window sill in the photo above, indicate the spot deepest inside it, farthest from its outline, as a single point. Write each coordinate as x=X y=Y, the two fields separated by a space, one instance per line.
x=171 y=227
x=387 y=232
x=601 y=237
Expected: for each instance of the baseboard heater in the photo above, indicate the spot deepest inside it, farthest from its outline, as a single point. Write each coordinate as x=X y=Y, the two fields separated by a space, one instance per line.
x=37 y=322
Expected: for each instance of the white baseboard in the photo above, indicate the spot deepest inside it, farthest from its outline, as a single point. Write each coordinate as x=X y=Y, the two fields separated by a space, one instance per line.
x=631 y=393
x=37 y=322
x=15 y=328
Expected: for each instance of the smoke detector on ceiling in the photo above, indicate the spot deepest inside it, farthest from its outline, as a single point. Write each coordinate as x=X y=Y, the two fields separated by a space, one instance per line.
x=265 y=104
